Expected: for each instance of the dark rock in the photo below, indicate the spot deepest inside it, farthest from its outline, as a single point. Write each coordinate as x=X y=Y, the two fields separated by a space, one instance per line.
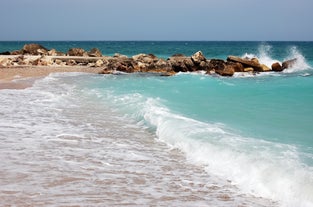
x=217 y=64
x=289 y=63
x=277 y=67
x=204 y=65
x=76 y=52
x=238 y=67
x=177 y=62
x=222 y=68
x=119 y=64
x=227 y=71
x=34 y=49
x=94 y=52
x=5 y=53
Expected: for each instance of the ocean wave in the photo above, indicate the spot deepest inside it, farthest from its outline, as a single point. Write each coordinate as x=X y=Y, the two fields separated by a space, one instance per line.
x=263 y=168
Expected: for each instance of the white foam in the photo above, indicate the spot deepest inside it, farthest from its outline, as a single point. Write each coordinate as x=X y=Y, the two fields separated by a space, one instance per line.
x=300 y=64
x=259 y=167
x=264 y=57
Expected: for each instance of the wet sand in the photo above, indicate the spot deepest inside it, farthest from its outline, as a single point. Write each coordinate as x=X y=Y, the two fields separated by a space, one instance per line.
x=23 y=77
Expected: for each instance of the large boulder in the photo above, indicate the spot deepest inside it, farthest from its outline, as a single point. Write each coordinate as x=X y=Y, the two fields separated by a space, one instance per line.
x=76 y=52
x=181 y=63
x=221 y=67
x=34 y=49
x=264 y=68
x=277 y=67
x=229 y=70
x=238 y=67
x=289 y=63
x=94 y=52
x=254 y=63
x=145 y=58
x=198 y=57
x=217 y=64
x=123 y=64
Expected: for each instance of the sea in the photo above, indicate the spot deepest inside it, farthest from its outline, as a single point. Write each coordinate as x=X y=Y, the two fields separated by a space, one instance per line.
x=78 y=139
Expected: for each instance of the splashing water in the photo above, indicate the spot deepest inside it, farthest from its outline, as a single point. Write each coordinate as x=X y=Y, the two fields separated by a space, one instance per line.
x=300 y=64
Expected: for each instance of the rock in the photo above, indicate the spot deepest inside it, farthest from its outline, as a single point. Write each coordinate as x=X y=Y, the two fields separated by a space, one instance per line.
x=94 y=52
x=221 y=67
x=99 y=63
x=217 y=64
x=58 y=61
x=34 y=49
x=5 y=53
x=145 y=60
x=76 y=52
x=120 y=64
x=248 y=69
x=17 y=52
x=53 y=52
x=204 y=65
x=265 y=68
x=31 y=60
x=289 y=63
x=190 y=65
x=238 y=67
x=246 y=62
x=177 y=62
x=91 y=64
x=256 y=60
x=277 y=67
x=197 y=58
x=5 y=62
x=71 y=62
x=227 y=71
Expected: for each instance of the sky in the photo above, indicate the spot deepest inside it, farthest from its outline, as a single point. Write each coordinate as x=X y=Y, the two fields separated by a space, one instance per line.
x=211 y=20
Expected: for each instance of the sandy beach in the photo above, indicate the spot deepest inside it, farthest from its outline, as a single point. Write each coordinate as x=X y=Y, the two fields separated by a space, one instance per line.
x=23 y=77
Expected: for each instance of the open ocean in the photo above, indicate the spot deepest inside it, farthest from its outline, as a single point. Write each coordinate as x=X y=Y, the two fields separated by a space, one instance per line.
x=146 y=140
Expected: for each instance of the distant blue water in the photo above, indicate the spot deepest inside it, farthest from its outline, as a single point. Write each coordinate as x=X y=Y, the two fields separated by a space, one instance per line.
x=211 y=49
x=254 y=130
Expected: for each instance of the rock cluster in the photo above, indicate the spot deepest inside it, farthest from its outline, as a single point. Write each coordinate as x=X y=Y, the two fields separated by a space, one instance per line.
x=35 y=54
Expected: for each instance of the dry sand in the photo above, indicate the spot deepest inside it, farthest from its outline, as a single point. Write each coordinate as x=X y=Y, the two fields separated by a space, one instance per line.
x=23 y=77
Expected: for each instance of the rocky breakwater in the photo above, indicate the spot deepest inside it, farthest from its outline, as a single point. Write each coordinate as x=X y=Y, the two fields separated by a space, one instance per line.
x=37 y=55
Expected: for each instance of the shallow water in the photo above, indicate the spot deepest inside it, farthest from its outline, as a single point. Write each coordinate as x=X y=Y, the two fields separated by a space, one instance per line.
x=140 y=139
x=60 y=146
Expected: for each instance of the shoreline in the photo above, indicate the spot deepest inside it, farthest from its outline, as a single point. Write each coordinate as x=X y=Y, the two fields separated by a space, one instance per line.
x=22 y=77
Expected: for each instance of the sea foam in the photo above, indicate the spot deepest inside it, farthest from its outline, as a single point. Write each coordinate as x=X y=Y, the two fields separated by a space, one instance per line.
x=263 y=168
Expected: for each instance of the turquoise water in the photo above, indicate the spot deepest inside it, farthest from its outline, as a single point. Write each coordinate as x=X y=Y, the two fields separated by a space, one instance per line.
x=254 y=130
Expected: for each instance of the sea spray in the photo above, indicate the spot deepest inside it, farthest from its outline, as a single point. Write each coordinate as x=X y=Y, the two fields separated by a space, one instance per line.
x=300 y=64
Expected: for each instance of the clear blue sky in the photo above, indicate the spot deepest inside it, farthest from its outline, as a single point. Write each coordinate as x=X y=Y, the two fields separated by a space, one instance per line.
x=156 y=20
